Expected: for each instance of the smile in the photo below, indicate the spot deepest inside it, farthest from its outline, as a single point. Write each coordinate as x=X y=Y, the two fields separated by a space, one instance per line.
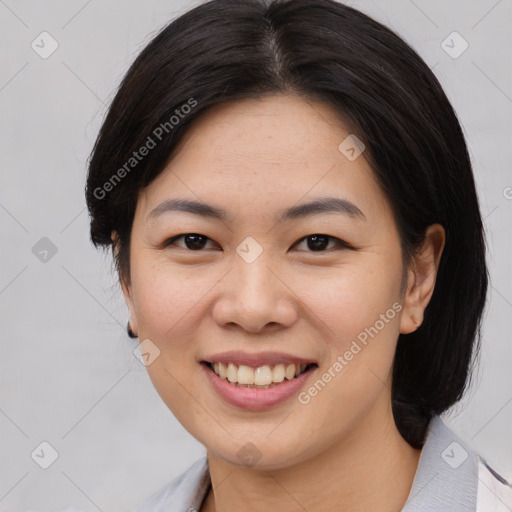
x=262 y=377
x=259 y=386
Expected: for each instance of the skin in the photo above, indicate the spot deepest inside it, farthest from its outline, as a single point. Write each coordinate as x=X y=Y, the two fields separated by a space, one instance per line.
x=341 y=451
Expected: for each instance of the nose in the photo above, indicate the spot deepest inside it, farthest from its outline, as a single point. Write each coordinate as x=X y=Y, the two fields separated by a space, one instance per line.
x=255 y=297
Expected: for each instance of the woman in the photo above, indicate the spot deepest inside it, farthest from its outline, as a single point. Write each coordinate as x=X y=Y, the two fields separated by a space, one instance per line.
x=293 y=216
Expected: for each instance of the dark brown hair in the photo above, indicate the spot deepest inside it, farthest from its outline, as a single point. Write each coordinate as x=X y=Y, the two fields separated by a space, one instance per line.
x=224 y=50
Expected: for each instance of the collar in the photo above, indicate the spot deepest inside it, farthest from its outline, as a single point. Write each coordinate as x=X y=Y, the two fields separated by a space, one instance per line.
x=447 y=473
x=446 y=478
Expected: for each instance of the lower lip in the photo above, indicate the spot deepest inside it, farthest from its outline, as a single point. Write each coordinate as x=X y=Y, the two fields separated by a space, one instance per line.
x=253 y=398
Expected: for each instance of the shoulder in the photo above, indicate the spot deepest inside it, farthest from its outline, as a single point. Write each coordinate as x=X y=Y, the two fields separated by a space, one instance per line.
x=452 y=474
x=183 y=492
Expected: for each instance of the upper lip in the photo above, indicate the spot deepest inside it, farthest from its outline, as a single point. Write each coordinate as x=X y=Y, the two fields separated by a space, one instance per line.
x=256 y=360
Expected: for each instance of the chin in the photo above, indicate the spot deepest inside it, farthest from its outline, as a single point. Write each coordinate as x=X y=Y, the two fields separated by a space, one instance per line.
x=261 y=453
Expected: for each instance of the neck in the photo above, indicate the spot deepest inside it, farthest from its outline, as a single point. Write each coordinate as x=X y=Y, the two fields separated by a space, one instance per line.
x=370 y=469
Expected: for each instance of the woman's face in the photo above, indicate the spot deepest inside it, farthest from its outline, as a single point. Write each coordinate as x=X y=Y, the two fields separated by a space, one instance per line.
x=258 y=284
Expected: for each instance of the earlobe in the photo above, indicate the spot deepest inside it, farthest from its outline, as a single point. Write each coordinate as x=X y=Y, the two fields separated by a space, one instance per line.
x=131 y=327
x=130 y=332
x=421 y=278
x=412 y=315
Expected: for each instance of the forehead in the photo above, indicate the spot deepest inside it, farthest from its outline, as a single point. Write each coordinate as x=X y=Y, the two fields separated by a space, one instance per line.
x=271 y=128
x=267 y=152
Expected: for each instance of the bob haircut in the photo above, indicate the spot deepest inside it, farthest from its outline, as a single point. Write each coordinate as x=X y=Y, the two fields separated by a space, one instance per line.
x=227 y=50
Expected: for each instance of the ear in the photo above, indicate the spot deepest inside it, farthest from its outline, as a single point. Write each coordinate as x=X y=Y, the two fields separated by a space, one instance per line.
x=421 y=278
x=125 y=288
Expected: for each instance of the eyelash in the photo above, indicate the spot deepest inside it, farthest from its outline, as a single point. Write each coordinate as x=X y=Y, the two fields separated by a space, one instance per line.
x=340 y=244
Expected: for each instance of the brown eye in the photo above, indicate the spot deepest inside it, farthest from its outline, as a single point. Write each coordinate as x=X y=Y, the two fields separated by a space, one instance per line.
x=192 y=241
x=320 y=242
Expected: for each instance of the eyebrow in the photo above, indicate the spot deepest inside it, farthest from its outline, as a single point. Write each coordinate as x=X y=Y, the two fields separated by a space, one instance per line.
x=318 y=206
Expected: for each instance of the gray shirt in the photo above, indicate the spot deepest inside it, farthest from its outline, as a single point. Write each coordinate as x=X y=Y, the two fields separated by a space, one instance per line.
x=450 y=477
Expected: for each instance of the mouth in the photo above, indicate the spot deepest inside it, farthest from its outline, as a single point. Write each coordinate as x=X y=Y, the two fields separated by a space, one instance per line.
x=256 y=382
x=261 y=377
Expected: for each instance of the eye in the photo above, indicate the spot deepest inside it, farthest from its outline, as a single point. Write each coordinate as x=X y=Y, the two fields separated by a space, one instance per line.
x=319 y=243
x=314 y=243
x=192 y=241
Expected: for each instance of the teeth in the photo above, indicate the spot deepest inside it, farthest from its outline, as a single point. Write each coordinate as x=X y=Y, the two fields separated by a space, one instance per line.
x=278 y=373
x=246 y=375
x=232 y=373
x=264 y=376
x=223 y=372
x=290 y=372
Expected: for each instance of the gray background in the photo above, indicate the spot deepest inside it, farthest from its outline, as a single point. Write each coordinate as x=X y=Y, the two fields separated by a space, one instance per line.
x=67 y=372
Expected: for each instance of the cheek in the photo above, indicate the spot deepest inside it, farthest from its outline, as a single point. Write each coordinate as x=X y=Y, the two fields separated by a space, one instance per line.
x=352 y=299
x=167 y=301
x=359 y=312
x=169 y=310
